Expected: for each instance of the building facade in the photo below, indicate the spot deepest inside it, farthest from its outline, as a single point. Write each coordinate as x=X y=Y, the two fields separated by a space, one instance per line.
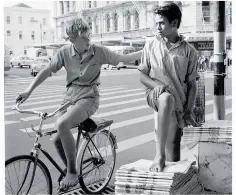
x=25 y=26
x=130 y=22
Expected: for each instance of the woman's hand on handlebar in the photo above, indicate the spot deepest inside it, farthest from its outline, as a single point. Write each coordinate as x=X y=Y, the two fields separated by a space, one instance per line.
x=22 y=97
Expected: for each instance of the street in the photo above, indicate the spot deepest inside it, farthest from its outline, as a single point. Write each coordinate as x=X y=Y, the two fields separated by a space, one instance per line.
x=122 y=100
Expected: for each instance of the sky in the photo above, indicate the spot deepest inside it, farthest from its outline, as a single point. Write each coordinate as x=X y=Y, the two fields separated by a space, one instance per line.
x=48 y=5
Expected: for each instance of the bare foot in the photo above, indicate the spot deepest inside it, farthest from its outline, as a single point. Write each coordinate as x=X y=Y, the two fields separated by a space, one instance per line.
x=158 y=164
x=70 y=180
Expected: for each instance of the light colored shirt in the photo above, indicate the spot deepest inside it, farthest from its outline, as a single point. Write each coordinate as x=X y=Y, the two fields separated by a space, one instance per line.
x=175 y=67
x=84 y=70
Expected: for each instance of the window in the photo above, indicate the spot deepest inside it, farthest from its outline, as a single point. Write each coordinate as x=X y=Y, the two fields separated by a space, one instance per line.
x=8 y=33
x=108 y=2
x=73 y=6
x=8 y=20
x=95 y=3
x=25 y=52
x=44 y=35
x=128 y=21
x=96 y=25
x=108 y=22
x=62 y=7
x=90 y=23
x=68 y=6
x=20 y=35
x=32 y=35
x=115 y=22
x=44 y=22
x=136 y=20
x=32 y=20
x=20 y=20
x=62 y=30
x=206 y=11
x=90 y=4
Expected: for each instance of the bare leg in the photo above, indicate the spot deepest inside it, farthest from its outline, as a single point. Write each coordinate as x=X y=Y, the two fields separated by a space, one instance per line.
x=75 y=115
x=58 y=144
x=173 y=142
x=165 y=105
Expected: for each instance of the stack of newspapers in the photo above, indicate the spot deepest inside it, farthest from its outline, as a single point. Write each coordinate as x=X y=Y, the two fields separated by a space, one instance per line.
x=176 y=178
x=211 y=131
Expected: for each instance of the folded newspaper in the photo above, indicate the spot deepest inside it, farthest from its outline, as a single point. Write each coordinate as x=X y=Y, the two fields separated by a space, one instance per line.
x=143 y=165
x=176 y=178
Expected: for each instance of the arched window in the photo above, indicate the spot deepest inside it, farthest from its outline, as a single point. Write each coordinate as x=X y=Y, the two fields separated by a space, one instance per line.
x=90 y=4
x=96 y=25
x=136 y=20
x=8 y=20
x=90 y=23
x=128 y=21
x=108 y=22
x=68 y=6
x=62 y=29
x=115 y=22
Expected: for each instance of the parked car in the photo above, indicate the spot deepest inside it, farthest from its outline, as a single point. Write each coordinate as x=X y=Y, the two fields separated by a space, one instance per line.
x=39 y=64
x=7 y=66
x=121 y=50
x=21 y=61
x=110 y=67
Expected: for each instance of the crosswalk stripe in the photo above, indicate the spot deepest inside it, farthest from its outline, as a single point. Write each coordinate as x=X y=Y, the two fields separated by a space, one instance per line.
x=56 y=106
x=127 y=122
x=101 y=106
x=41 y=87
x=39 y=95
x=48 y=91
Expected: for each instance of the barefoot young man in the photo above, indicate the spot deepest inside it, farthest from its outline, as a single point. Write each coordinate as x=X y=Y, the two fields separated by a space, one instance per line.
x=82 y=62
x=168 y=70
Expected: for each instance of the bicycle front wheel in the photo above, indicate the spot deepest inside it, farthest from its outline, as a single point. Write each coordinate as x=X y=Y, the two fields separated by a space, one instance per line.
x=96 y=162
x=19 y=172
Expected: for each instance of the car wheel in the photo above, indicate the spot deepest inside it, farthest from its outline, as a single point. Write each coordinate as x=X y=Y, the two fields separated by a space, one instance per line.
x=118 y=68
x=35 y=74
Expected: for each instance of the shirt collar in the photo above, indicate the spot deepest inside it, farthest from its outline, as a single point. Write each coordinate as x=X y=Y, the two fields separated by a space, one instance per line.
x=89 y=52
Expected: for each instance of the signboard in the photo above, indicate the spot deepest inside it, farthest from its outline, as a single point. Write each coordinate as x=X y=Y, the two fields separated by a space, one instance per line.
x=206 y=45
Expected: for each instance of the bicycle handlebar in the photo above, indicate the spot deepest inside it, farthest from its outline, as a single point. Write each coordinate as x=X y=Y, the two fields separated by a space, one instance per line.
x=41 y=114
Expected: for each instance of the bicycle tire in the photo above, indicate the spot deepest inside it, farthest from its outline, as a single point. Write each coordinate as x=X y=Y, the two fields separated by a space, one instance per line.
x=40 y=166
x=95 y=188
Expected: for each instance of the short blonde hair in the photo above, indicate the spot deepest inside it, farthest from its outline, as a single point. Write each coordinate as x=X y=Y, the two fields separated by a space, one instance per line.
x=76 y=26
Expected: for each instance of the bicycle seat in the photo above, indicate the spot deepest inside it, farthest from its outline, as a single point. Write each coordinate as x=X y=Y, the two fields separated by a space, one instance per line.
x=92 y=125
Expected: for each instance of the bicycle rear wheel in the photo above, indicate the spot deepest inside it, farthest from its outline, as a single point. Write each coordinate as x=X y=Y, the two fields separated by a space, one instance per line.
x=19 y=172
x=96 y=162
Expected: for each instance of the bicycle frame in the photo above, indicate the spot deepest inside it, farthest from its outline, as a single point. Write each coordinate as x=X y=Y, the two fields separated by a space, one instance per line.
x=38 y=147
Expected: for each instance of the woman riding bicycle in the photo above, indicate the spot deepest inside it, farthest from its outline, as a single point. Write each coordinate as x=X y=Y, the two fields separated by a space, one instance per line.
x=82 y=62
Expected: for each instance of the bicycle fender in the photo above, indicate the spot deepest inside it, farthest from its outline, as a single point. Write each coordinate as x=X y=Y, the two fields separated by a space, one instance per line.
x=113 y=138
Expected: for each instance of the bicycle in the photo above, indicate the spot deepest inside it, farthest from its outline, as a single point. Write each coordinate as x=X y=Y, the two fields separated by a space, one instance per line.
x=91 y=158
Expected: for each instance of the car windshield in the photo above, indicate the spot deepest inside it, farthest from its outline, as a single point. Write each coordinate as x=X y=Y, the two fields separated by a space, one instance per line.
x=39 y=61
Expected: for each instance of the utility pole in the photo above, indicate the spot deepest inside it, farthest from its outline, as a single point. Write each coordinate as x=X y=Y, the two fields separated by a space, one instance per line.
x=219 y=56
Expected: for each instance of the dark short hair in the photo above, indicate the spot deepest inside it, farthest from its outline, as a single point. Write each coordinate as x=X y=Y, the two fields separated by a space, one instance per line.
x=171 y=11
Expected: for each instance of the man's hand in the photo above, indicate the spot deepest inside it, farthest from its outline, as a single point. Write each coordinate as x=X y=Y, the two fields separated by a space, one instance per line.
x=22 y=97
x=159 y=90
x=189 y=120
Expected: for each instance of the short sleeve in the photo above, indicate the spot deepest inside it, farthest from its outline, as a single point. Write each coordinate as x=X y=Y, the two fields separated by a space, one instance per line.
x=109 y=57
x=192 y=73
x=57 y=62
x=144 y=66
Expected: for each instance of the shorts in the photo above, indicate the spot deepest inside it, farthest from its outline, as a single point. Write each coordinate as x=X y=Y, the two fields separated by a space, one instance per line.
x=87 y=97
